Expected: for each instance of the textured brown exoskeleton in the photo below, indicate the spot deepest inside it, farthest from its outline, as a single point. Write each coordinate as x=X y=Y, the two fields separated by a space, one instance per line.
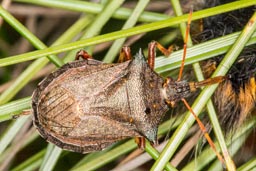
x=88 y=105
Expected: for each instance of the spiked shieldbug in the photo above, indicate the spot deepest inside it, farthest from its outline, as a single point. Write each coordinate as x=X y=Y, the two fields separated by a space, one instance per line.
x=88 y=105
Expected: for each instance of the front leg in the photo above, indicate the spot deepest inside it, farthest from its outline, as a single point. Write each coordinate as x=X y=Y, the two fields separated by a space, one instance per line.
x=82 y=54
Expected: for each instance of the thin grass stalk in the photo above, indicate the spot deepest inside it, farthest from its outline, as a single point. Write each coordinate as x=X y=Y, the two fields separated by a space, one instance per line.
x=51 y=158
x=10 y=133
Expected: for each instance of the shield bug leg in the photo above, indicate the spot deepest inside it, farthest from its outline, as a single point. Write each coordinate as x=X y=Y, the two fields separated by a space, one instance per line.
x=82 y=54
x=152 y=52
x=204 y=131
x=141 y=142
x=185 y=45
x=23 y=113
x=125 y=54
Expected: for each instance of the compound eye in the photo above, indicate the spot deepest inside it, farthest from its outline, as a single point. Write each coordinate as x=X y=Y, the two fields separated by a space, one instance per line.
x=147 y=110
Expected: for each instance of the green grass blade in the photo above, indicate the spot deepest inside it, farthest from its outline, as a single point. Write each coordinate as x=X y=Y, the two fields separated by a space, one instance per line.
x=51 y=158
x=200 y=52
x=11 y=132
x=155 y=154
x=107 y=157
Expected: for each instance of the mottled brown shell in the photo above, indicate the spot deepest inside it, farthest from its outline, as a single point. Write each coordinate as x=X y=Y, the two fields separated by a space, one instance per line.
x=88 y=105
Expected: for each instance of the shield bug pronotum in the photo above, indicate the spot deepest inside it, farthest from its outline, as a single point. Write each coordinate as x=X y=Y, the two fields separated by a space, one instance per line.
x=87 y=105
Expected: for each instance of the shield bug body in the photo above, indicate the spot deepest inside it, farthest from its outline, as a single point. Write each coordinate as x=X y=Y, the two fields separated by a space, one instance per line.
x=87 y=105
